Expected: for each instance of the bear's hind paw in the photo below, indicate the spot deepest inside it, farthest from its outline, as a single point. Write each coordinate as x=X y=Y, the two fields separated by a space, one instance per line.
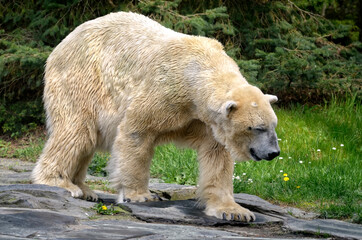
x=88 y=194
x=75 y=191
x=142 y=198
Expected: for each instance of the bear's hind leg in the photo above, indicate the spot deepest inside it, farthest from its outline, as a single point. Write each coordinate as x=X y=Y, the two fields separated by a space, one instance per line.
x=130 y=166
x=79 y=179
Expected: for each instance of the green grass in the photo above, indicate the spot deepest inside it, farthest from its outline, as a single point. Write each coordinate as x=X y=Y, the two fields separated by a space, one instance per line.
x=31 y=151
x=175 y=165
x=27 y=149
x=324 y=176
x=98 y=164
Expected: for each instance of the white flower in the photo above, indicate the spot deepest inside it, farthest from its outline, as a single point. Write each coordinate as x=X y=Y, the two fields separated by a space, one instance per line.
x=237 y=178
x=333 y=148
x=281 y=170
x=318 y=150
x=300 y=161
x=342 y=145
x=244 y=174
x=290 y=157
x=279 y=139
x=250 y=180
x=309 y=162
x=280 y=157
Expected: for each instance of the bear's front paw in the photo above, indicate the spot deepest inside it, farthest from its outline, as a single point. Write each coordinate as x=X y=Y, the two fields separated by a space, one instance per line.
x=231 y=211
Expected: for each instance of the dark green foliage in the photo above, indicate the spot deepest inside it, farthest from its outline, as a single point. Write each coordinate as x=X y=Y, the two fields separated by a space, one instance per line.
x=341 y=12
x=98 y=165
x=20 y=116
x=210 y=22
x=281 y=46
x=292 y=53
x=28 y=32
x=21 y=68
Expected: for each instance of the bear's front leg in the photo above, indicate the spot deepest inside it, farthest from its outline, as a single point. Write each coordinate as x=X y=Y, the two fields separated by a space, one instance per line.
x=216 y=185
x=130 y=166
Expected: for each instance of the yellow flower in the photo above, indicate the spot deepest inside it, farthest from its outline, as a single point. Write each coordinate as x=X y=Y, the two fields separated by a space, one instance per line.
x=285 y=174
x=298 y=186
x=286 y=179
x=104 y=208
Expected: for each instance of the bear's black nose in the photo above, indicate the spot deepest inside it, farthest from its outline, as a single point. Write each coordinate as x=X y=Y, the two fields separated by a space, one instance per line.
x=272 y=155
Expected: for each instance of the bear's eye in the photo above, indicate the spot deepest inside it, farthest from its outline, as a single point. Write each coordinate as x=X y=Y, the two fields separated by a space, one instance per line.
x=257 y=129
x=260 y=129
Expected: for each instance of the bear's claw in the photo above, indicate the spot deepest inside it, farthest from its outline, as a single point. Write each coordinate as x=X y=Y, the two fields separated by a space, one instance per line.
x=88 y=194
x=143 y=198
x=156 y=197
x=232 y=212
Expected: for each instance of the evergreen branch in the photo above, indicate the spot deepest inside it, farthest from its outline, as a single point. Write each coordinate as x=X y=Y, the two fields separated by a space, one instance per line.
x=310 y=14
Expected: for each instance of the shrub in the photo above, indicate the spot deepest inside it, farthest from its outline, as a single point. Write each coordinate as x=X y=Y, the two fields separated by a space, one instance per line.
x=21 y=116
x=285 y=50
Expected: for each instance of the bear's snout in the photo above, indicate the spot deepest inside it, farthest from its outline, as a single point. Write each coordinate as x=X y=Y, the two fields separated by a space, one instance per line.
x=268 y=156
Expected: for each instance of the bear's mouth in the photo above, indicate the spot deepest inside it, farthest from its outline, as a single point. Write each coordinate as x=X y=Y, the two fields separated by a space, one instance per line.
x=253 y=154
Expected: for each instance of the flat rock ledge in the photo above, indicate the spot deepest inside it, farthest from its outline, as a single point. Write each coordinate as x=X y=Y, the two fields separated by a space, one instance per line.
x=30 y=211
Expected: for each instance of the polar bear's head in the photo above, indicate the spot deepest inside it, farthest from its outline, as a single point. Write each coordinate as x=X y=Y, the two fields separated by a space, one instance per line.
x=246 y=124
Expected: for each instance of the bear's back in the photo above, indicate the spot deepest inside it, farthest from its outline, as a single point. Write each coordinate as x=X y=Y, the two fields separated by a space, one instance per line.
x=127 y=54
x=111 y=41
x=118 y=28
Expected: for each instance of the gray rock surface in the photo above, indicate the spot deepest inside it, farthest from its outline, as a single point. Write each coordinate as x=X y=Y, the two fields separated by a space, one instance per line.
x=22 y=222
x=14 y=171
x=253 y=202
x=35 y=196
x=322 y=227
x=42 y=224
x=43 y=212
x=173 y=191
x=113 y=229
x=185 y=212
x=298 y=213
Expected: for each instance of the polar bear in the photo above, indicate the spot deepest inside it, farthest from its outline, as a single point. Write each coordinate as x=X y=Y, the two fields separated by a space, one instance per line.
x=125 y=84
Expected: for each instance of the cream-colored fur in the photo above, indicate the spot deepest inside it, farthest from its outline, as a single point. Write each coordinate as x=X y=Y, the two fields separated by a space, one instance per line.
x=123 y=83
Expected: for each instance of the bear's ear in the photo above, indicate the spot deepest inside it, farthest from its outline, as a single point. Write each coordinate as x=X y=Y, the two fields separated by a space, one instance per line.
x=272 y=99
x=228 y=107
